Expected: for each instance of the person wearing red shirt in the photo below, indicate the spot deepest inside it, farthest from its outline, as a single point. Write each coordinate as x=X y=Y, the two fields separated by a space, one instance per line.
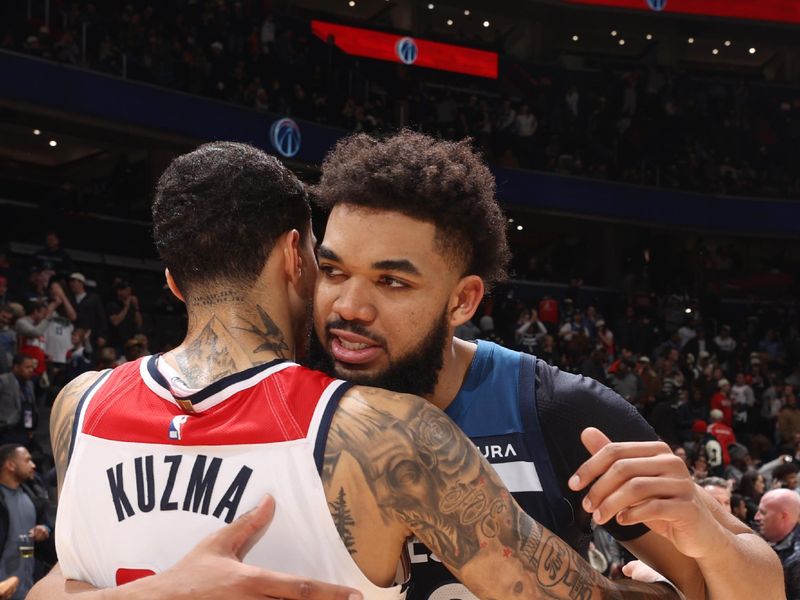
x=723 y=433
x=722 y=401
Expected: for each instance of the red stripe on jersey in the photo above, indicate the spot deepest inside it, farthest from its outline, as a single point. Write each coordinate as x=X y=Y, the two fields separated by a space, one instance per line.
x=276 y=409
x=127 y=575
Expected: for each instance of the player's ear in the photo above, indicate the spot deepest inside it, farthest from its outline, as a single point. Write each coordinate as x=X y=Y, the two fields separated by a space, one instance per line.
x=465 y=299
x=292 y=255
x=173 y=287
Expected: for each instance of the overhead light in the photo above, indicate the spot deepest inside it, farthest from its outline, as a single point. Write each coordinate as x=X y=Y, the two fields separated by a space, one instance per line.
x=727 y=43
x=519 y=227
x=621 y=42
x=613 y=33
x=715 y=51
x=688 y=311
x=752 y=51
x=486 y=23
x=37 y=132
x=449 y=21
x=466 y=12
x=430 y=6
x=53 y=143
x=649 y=36
x=510 y=219
x=575 y=38
x=690 y=40
x=352 y=3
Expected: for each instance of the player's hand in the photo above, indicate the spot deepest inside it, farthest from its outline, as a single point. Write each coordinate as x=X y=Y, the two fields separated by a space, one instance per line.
x=8 y=587
x=644 y=482
x=39 y=533
x=640 y=571
x=214 y=571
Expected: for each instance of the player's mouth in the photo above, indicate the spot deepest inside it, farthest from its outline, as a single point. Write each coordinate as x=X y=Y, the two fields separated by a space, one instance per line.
x=352 y=349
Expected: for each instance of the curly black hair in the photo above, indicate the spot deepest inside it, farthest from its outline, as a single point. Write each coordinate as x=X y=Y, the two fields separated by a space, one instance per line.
x=219 y=210
x=440 y=182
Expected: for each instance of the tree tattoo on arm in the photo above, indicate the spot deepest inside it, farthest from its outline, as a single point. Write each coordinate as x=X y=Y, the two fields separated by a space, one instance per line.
x=343 y=520
x=424 y=472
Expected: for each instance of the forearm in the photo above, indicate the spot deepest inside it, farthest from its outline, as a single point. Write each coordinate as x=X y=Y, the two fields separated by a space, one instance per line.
x=55 y=587
x=745 y=568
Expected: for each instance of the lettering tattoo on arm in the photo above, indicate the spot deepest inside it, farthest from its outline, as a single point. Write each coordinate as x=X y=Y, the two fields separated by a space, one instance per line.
x=423 y=471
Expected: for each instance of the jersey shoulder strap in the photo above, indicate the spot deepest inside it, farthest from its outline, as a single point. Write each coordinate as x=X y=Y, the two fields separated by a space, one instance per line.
x=528 y=392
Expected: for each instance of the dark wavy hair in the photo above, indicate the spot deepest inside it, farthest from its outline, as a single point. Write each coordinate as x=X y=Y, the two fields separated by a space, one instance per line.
x=747 y=485
x=219 y=210
x=440 y=182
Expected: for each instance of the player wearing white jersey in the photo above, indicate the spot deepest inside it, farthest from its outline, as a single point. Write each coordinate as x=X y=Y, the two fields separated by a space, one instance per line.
x=174 y=446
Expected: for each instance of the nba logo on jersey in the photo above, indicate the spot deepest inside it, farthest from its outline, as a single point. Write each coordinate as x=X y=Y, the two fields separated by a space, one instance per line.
x=176 y=425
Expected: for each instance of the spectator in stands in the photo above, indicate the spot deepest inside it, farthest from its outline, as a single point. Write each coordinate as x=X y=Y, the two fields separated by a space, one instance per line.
x=752 y=487
x=651 y=382
x=626 y=383
x=30 y=331
x=79 y=357
x=741 y=462
x=788 y=419
x=719 y=490
x=784 y=476
x=548 y=351
x=17 y=400
x=594 y=366
x=777 y=518
x=5 y=297
x=8 y=338
x=605 y=337
x=58 y=335
x=107 y=358
x=36 y=287
x=725 y=346
x=690 y=412
x=548 y=313
x=529 y=331
x=739 y=508
x=698 y=464
x=525 y=126
x=22 y=512
x=124 y=315
x=741 y=393
x=89 y=309
x=53 y=257
x=721 y=400
x=722 y=432
x=772 y=347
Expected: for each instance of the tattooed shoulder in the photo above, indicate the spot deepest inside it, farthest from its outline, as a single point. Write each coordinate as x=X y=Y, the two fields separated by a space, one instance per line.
x=62 y=418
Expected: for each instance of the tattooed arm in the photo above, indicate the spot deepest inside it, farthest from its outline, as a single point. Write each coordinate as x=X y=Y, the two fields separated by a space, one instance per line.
x=62 y=417
x=407 y=469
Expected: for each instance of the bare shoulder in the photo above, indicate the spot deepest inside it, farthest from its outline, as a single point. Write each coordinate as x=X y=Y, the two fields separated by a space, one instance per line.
x=62 y=418
x=401 y=406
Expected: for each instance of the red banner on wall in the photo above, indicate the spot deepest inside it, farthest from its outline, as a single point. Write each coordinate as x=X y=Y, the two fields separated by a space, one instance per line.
x=407 y=50
x=782 y=11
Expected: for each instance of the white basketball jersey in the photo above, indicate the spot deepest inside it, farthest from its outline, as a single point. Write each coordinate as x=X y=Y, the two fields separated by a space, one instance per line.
x=148 y=480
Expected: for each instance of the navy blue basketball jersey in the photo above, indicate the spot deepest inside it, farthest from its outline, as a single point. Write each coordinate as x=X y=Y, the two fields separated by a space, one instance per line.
x=496 y=408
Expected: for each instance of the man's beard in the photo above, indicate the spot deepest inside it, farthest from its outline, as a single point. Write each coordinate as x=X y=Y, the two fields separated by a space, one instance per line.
x=415 y=373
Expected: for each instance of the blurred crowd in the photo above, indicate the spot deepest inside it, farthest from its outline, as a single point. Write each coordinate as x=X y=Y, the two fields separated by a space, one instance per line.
x=632 y=122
